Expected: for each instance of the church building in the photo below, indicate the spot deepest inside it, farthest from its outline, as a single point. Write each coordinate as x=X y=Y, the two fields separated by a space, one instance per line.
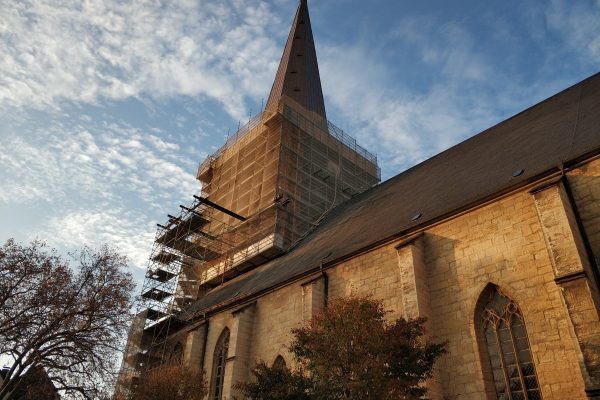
x=496 y=241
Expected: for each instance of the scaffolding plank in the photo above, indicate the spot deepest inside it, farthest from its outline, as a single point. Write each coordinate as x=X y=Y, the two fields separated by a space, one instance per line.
x=194 y=250
x=156 y=294
x=165 y=326
x=161 y=275
x=165 y=257
x=167 y=237
x=195 y=222
x=155 y=314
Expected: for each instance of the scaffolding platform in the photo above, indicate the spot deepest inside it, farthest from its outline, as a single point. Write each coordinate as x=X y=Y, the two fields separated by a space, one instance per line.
x=165 y=257
x=190 y=248
x=200 y=234
x=155 y=315
x=156 y=294
x=165 y=326
x=160 y=274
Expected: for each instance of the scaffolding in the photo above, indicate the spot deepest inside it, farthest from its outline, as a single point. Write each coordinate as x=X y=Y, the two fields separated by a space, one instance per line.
x=320 y=167
x=197 y=235
x=264 y=190
x=293 y=157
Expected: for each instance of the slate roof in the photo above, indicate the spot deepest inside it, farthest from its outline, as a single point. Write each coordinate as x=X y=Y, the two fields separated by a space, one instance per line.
x=298 y=73
x=539 y=140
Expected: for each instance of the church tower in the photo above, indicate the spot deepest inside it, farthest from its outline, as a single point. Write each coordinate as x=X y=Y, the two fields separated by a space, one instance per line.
x=286 y=168
x=263 y=192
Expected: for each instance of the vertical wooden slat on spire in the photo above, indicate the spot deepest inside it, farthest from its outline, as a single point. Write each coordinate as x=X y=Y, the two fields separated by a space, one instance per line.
x=298 y=73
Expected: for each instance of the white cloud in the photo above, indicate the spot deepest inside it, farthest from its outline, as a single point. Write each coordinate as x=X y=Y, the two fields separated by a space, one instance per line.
x=54 y=162
x=132 y=234
x=403 y=125
x=578 y=23
x=463 y=86
x=89 y=182
x=68 y=50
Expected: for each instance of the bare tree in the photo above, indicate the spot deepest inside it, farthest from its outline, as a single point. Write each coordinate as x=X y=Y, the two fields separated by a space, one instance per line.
x=68 y=321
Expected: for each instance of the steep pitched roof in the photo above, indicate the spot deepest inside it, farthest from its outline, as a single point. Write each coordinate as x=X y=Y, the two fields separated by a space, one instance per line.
x=538 y=141
x=298 y=73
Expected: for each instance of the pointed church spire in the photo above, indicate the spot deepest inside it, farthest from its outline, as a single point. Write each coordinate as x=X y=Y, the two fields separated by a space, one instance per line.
x=298 y=73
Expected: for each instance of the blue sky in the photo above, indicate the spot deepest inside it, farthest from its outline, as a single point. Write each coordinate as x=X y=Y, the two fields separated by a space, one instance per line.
x=106 y=108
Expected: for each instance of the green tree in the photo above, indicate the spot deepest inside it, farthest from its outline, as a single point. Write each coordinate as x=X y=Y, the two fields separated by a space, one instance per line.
x=350 y=351
x=65 y=321
x=170 y=381
x=276 y=383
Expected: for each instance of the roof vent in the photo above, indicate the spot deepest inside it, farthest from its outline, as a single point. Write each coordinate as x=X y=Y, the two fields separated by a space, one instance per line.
x=518 y=172
x=416 y=217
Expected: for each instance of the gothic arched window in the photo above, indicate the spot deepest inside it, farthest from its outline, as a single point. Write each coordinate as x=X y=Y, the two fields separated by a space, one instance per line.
x=177 y=354
x=218 y=370
x=507 y=346
x=279 y=363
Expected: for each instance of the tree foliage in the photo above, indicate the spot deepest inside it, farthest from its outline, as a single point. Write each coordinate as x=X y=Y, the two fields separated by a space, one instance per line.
x=349 y=351
x=171 y=381
x=67 y=321
x=276 y=383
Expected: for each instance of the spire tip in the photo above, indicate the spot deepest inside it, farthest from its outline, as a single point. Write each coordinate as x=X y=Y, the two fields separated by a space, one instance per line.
x=298 y=73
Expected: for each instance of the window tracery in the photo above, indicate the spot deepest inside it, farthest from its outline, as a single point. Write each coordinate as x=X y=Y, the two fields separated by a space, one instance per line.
x=177 y=354
x=508 y=349
x=219 y=361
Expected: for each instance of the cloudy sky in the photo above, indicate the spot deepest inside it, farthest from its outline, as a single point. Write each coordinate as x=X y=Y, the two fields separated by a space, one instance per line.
x=107 y=107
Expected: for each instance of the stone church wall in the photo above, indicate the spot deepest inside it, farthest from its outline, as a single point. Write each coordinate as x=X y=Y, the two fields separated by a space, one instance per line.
x=501 y=243
x=372 y=274
x=441 y=274
x=585 y=183
x=276 y=314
